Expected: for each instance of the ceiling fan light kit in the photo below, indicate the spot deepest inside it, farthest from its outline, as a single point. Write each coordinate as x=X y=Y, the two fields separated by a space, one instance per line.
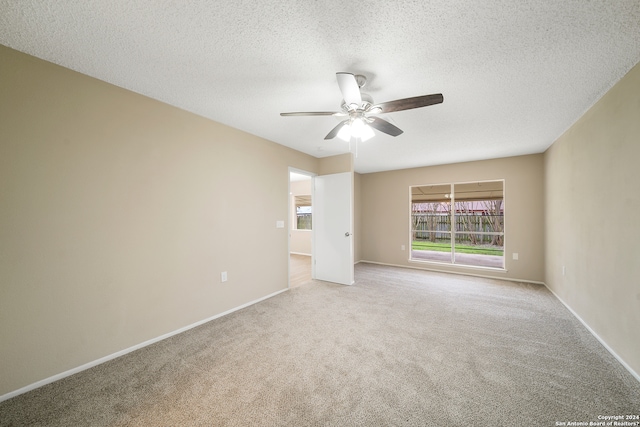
x=357 y=129
x=361 y=110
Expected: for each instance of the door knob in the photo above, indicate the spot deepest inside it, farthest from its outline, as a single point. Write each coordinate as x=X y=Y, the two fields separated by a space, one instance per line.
x=347 y=234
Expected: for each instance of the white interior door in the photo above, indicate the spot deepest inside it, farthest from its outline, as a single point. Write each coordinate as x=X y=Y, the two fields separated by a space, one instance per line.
x=333 y=228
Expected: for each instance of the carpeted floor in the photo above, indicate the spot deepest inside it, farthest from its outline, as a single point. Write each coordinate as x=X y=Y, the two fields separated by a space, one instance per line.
x=399 y=348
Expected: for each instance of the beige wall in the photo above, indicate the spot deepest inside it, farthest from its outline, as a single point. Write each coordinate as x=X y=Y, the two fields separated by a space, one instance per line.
x=117 y=215
x=385 y=213
x=592 y=199
x=335 y=164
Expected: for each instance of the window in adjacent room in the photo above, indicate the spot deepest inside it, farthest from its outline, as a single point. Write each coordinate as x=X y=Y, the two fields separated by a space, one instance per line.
x=459 y=223
x=303 y=212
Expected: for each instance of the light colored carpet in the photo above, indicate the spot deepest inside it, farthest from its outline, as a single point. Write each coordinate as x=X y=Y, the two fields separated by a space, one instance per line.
x=399 y=348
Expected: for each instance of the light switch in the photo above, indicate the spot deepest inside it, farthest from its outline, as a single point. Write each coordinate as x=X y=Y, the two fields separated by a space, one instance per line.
x=279 y=224
x=515 y=255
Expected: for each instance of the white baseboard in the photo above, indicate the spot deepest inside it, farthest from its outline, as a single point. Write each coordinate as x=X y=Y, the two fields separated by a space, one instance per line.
x=186 y=328
x=604 y=344
x=591 y=331
x=299 y=253
x=460 y=273
x=128 y=350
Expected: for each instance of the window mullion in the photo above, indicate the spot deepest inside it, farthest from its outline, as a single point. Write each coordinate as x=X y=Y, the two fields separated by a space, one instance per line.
x=452 y=210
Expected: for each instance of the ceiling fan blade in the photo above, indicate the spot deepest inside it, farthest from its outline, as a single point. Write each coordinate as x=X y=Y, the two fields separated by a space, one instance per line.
x=349 y=88
x=336 y=129
x=313 y=113
x=407 y=103
x=384 y=126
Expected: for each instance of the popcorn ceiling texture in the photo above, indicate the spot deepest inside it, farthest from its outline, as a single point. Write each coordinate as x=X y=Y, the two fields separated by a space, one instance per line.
x=515 y=75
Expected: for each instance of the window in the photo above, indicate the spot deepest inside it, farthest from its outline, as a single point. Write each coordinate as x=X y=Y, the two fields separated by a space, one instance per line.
x=461 y=223
x=303 y=212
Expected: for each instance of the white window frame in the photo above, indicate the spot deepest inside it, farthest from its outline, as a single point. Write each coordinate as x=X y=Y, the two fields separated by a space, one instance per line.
x=453 y=232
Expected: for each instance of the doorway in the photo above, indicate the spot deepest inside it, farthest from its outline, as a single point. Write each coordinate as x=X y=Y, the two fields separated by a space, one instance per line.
x=300 y=227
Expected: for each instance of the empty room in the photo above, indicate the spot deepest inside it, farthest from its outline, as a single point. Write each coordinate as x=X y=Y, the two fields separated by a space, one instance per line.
x=319 y=213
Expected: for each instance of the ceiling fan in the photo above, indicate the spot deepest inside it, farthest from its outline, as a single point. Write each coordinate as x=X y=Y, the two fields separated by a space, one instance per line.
x=361 y=112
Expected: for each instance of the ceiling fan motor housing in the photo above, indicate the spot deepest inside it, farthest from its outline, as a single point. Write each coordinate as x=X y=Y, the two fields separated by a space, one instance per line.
x=367 y=101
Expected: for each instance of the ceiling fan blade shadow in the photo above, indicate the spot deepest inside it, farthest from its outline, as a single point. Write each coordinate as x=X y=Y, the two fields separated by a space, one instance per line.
x=407 y=103
x=336 y=129
x=349 y=88
x=384 y=126
x=313 y=113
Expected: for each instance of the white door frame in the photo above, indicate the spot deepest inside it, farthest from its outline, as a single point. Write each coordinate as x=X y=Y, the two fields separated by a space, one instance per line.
x=290 y=223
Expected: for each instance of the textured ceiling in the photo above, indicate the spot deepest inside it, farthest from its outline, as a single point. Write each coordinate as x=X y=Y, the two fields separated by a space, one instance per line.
x=515 y=74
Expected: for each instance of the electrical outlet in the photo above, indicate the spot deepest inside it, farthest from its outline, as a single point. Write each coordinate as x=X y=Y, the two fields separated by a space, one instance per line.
x=515 y=255
x=402 y=247
x=223 y=276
